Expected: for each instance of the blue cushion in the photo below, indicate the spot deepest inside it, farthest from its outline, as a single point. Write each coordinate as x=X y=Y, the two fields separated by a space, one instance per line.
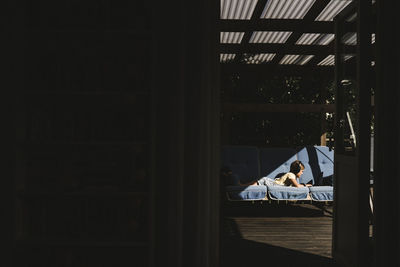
x=243 y=161
x=325 y=160
x=318 y=162
x=274 y=162
x=278 y=192
x=252 y=192
x=321 y=193
x=309 y=173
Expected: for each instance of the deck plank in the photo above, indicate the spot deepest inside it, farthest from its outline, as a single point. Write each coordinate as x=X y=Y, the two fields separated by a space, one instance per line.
x=288 y=235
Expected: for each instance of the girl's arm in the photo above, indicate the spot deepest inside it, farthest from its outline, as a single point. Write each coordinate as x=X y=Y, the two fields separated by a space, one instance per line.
x=295 y=183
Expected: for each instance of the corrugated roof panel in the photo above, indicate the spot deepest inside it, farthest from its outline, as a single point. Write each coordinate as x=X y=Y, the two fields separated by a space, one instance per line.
x=352 y=17
x=286 y=9
x=269 y=37
x=328 y=61
x=326 y=39
x=346 y=57
x=258 y=58
x=332 y=9
x=295 y=59
x=237 y=9
x=307 y=38
x=315 y=38
x=231 y=37
x=289 y=59
x=223 y=58
x=304 y=59
x=350 y=38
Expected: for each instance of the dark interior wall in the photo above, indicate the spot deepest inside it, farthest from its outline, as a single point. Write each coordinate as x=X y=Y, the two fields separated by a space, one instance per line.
x=12 y=22
x=387 y=204
x=186 y=134
x=78 y=187
x=90 y=81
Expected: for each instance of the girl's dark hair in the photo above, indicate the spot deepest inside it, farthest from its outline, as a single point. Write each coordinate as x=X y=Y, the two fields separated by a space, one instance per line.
x=296 y=166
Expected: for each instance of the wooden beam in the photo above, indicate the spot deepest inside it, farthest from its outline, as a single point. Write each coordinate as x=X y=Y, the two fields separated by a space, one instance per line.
x=248 y=32
x=316 y=59
x=260 y=107
x=282 y=48
x=270 y=69
x=258 y=10
x=314 y=11
x=276 y=48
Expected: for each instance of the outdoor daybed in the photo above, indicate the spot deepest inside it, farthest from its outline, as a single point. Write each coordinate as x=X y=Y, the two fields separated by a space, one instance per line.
x=249 y=163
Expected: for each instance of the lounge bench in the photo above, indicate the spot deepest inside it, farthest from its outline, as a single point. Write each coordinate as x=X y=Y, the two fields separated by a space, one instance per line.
x=249 y=163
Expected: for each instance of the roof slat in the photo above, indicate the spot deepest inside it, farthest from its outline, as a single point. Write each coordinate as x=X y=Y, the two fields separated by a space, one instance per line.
x=312 y=13
x=292 y=25
x=286 y=9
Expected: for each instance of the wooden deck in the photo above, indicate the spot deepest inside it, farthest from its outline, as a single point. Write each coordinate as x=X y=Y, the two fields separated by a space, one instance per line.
x=286 y=234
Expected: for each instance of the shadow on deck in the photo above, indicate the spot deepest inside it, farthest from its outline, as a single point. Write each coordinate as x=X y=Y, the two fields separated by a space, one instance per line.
x=286 y=235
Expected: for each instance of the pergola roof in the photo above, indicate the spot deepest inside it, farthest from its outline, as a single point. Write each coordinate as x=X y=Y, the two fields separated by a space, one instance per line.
x=281 y=34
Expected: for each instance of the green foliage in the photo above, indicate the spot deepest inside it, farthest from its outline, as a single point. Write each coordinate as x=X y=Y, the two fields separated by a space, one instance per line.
x=277 y=129
x=276 y=89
